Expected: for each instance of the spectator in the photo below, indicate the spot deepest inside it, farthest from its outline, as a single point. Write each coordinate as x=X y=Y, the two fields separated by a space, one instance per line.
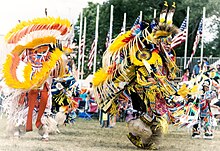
x=185 y=76
x=90 y=90
x=104 y=119
x=205 y=115
x=196 y=69
x=205 y=64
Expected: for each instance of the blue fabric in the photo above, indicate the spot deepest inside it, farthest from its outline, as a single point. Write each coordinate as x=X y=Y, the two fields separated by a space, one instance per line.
x=83 y=96
x=196 y=69
x=84 y=115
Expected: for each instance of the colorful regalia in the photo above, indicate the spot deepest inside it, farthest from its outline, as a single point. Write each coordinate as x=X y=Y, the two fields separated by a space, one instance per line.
x=142 y=63
x=36 y=54
x=196 y=111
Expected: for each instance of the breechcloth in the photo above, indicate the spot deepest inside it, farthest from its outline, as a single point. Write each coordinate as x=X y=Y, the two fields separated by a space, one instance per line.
x=32 y=101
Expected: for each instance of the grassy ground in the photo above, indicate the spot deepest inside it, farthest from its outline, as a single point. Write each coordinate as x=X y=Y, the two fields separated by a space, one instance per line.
x=86 y=135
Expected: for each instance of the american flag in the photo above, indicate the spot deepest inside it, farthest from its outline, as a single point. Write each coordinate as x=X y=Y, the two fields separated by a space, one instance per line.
x=196 y=42
x=137 y=21
x=91 y=55
x=136 y=27
x=153 y=24
x=181 y=37
x=81 y=48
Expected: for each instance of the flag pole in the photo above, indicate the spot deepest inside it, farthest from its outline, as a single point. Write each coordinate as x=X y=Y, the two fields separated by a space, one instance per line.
x=202 y=40
x=155 y=13
x=140 y=16
x=79 y=49
x=111 y=24
x=124 y=23
x=84 y=46
x=186 y=40
x=96 y=38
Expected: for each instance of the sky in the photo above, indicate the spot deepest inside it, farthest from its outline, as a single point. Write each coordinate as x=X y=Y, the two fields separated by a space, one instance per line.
x=13 y=10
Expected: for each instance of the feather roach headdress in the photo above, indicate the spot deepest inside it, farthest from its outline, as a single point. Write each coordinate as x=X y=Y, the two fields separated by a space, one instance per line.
x=165 y=27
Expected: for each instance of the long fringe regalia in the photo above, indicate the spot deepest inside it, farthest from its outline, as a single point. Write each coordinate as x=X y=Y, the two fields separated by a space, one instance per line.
x=35 y=56
x=141 y=63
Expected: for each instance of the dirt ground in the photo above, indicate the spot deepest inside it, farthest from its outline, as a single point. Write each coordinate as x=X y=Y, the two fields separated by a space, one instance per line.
x=87 y=135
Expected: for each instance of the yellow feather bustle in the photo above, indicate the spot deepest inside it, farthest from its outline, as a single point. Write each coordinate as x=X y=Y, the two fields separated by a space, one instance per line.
x=99 y=77
x=120 y=42
x=37 y=79
x=29 y=35
x=37 y=21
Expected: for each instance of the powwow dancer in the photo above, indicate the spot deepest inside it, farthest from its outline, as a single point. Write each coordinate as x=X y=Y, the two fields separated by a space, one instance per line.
x=63 y=103
x=35 y=56
x=142 y=63
x=205 y=115
x=196 y=113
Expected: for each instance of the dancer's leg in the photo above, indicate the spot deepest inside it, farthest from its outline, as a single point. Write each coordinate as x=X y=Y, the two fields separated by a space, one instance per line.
x=32 y=97
x=42 y=105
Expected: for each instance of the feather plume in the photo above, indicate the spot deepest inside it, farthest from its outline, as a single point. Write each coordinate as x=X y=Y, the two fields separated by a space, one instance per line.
x=99 y=77
x=183 y=91
x=120 y=42
x=26 y=27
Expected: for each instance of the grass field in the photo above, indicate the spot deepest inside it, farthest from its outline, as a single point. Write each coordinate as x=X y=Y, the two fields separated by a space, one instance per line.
x=86 y=135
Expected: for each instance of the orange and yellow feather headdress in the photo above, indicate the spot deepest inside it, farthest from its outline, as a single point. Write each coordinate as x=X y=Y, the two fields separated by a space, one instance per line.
x=30 y=35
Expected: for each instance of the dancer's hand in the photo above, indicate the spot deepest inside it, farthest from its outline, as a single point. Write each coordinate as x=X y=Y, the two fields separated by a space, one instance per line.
x=152 y=80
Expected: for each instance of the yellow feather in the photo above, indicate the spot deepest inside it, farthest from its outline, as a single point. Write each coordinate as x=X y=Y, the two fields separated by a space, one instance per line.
x=37 y=79
x=183 y=91
x=37 y=21
x=27 y=72
x=99 y=77
x=119 y=42
x=36 y=42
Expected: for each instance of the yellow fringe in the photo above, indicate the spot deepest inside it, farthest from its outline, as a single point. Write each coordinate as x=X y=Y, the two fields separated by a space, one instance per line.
x=163 y=124
x=114 y=109
x=62 y=68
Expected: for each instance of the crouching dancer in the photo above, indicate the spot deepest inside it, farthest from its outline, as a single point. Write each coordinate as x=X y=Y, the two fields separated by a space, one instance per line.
x=141 y=63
